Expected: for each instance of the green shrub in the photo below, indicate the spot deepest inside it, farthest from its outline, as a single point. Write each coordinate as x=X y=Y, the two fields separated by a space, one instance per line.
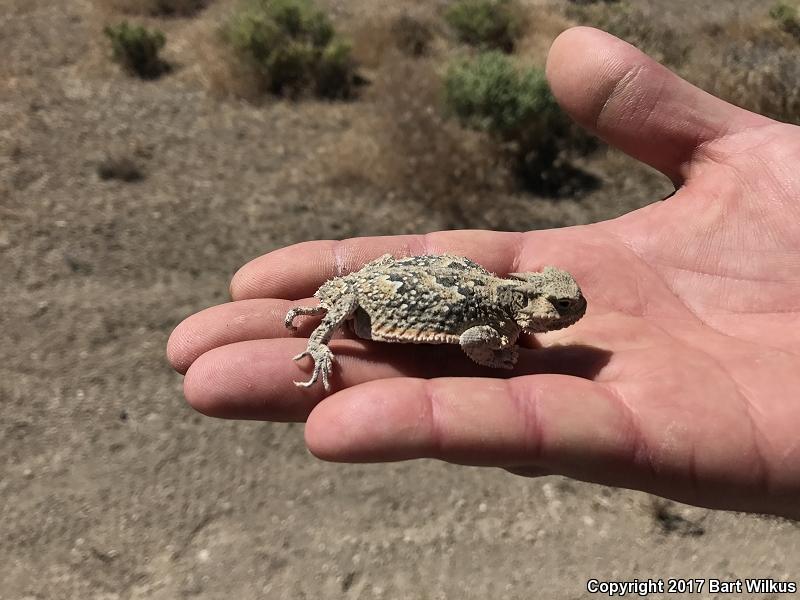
x=787 y=18
x=136 y=48
x=487 y=24
x=516 y=107
x=334 y=76
x=490 y=94
x=292 y=47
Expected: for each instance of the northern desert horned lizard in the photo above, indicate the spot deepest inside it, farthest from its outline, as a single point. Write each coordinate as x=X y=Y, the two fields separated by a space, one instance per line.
x=440 y=300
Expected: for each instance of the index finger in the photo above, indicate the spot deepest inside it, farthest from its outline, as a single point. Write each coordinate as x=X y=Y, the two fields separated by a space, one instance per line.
x=297 y=271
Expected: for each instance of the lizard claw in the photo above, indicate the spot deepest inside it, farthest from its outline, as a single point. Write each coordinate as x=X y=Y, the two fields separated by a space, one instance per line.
x=323 y=365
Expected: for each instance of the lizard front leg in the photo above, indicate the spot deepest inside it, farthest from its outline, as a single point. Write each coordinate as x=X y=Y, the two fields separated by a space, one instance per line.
x=317 y=347
x=488 y=347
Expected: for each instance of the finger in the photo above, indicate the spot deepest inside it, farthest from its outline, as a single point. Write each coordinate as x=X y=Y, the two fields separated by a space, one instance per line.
x=234 y=322
x=546 y=422
x=636 y=104
x=254 y=379
x=297 y=271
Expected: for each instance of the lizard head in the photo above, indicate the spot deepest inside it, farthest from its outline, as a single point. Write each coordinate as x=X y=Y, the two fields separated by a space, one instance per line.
x=543 y=301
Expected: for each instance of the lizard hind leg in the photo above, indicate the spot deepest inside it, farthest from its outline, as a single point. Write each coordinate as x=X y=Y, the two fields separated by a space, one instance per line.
x=317 y=347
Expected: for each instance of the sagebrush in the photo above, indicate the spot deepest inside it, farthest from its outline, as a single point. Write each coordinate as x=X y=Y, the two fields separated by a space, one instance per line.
x=516 y=107
x=487 y=24
x=292 y=47
x=490 y=94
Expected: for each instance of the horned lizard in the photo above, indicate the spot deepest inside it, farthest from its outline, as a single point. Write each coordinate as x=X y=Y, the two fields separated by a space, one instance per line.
x=440 y=299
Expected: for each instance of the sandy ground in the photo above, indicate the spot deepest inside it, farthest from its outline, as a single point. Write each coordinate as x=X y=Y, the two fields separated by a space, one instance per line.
x=112 y=487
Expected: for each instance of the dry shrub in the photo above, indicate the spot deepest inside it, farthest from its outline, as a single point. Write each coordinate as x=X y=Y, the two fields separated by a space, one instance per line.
x=120 y=167
x=532 y=48
x=641 y=26
x=410 y=151
x=412 y=36
x=376 y=40
x=219 y=68
x=157 y=8
x=585 y=2
x=750 y=63
x=756 y=68
x=372 y=42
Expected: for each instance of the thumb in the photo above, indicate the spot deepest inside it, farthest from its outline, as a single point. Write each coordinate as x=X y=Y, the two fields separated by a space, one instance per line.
x=634 y=103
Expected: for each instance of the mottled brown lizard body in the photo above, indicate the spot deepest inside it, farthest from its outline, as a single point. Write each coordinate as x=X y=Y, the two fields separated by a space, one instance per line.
x=440 y=299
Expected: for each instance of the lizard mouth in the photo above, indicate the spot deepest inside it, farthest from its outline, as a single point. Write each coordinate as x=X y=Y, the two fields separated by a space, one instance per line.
x=544 y=326
x=551 y=323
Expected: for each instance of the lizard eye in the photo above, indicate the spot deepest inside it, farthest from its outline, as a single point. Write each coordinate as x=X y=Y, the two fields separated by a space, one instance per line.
x=564 y=303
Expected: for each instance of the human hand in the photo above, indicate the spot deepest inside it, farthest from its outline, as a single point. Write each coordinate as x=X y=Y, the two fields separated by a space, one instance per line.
x=683 y=378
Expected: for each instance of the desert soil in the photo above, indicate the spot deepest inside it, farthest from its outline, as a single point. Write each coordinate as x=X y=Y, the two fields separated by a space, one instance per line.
x=112 y=487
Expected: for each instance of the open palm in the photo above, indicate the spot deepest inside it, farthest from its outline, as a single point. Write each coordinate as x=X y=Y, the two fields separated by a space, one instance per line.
x=683 y=378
